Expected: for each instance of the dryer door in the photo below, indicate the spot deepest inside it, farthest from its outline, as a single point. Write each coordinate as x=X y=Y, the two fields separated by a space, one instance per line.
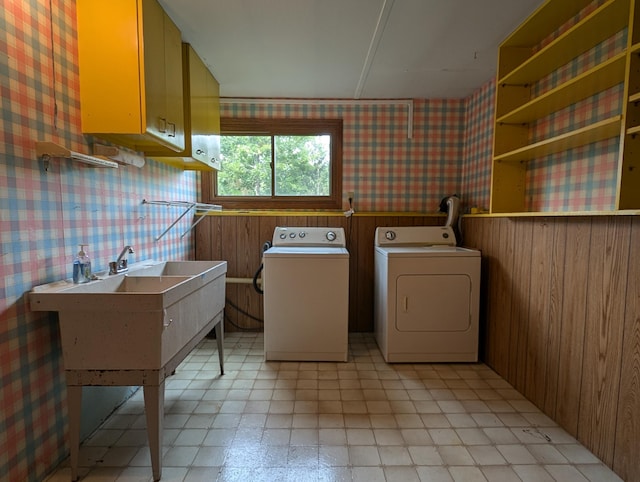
x=433 y=302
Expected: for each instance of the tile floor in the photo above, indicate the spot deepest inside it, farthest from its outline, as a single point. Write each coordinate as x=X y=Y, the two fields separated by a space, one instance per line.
x=363 y=420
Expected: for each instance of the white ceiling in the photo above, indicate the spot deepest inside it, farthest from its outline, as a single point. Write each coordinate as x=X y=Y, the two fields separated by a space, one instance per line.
x=348 y=49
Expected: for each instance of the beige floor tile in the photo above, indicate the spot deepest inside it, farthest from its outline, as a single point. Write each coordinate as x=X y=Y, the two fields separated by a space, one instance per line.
x=363 y=420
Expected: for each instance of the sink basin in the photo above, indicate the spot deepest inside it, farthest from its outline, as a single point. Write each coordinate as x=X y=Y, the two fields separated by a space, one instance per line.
x=173 y=268
x=135 y=320
x=127 y=283
x=148 y=284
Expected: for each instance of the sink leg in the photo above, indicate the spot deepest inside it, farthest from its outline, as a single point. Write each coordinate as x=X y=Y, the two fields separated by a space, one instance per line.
x=219 y=330
x=154 y=410
x=74 y=403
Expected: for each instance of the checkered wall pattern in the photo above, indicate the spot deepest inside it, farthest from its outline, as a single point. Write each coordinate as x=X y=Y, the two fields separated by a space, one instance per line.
x=584 y=178
x=44 y=215
x=478 y=147
x=388 y=171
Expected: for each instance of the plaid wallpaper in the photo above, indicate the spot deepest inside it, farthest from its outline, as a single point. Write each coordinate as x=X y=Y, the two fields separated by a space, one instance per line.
x=478 y=147
x=387 y=170
x=44 y=215
x=584 y=178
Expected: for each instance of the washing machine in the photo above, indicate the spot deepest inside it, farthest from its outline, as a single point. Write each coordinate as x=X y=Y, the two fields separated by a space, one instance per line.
x=427 y=295
x=306 y=295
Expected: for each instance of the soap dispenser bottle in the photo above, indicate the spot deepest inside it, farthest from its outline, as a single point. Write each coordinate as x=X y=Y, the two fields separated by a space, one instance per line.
x=81 y=267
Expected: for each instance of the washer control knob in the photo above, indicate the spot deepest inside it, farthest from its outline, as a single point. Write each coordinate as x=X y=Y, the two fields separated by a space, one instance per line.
x=283 y=235
x=331 y=236
x=302 y=234
x=390 y=235
x=292 y=235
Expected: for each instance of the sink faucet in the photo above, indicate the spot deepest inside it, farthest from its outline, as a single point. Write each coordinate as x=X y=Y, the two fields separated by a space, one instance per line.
x=120 y=264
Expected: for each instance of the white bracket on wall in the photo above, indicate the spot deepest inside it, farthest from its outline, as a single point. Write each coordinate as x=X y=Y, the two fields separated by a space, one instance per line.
x=200 y=209
x=47 y=150
x=119 y=154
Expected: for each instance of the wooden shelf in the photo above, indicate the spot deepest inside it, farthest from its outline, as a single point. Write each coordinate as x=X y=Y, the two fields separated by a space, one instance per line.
x=549 y=214
x=634 y=97
x=599 y=78
x=598 y=131
x=514 y=184
x=601 y=24
x=633 y=130
x=548 y=17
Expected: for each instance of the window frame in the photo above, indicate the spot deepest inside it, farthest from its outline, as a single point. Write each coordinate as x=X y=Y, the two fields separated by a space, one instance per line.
x=272 y=127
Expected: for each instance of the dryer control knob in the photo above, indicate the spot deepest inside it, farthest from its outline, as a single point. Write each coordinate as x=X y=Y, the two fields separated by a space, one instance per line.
x=390 y=235
x=283 y=235
x=331 y=236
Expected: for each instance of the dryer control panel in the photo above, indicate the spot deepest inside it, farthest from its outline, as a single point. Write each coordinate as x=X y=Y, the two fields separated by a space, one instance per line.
x=309 y=236
x=415 y=236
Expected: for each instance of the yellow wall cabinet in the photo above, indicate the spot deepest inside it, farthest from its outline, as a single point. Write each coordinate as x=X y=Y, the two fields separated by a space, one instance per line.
x=131 y=86
x=202 y=118
x=523 y=61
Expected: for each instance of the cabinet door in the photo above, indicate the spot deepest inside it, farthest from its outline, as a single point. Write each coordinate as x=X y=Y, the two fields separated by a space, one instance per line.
x=153 y=80
x=162 y=77
x=174 y=94
x=210 y=154
x=202 y=114
x=130 y=62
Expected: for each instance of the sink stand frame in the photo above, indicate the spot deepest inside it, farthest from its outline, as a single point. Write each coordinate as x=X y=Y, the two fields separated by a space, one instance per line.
x=152 y=381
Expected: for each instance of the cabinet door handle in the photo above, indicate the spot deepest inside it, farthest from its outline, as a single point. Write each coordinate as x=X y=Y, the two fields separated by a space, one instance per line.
x=162 y=125
x=173 y=129
x=405 y=303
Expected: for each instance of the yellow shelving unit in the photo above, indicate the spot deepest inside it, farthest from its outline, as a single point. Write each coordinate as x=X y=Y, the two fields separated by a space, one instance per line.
x=595 y=132
x=523 y=60
x=599 y=78
x=601 y=24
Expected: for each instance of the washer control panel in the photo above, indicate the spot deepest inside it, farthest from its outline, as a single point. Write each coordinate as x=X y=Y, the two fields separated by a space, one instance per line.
x=309 y=236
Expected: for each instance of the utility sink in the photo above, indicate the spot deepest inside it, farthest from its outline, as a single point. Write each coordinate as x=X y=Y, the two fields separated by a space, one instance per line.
x=134 y=328
x=174 y=268
x=138 y=319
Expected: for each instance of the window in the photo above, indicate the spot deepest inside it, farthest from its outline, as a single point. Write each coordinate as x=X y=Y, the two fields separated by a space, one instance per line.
x=278 y=163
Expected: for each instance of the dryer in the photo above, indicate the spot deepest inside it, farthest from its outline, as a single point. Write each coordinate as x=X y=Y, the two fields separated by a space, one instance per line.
x=427 y=295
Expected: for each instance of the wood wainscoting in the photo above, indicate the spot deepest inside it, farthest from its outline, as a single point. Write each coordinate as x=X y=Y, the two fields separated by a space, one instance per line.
x=239 y=239
x=561 y=323
x=560 y=314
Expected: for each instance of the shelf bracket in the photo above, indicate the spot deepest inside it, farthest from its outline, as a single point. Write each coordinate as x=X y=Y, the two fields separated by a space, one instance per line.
x=199 y=209
x=47 y=150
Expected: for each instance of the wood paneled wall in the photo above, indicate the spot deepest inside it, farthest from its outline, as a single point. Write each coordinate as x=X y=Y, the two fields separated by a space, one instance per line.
x=239 y=241
x=560 y=309
x=561 y=322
